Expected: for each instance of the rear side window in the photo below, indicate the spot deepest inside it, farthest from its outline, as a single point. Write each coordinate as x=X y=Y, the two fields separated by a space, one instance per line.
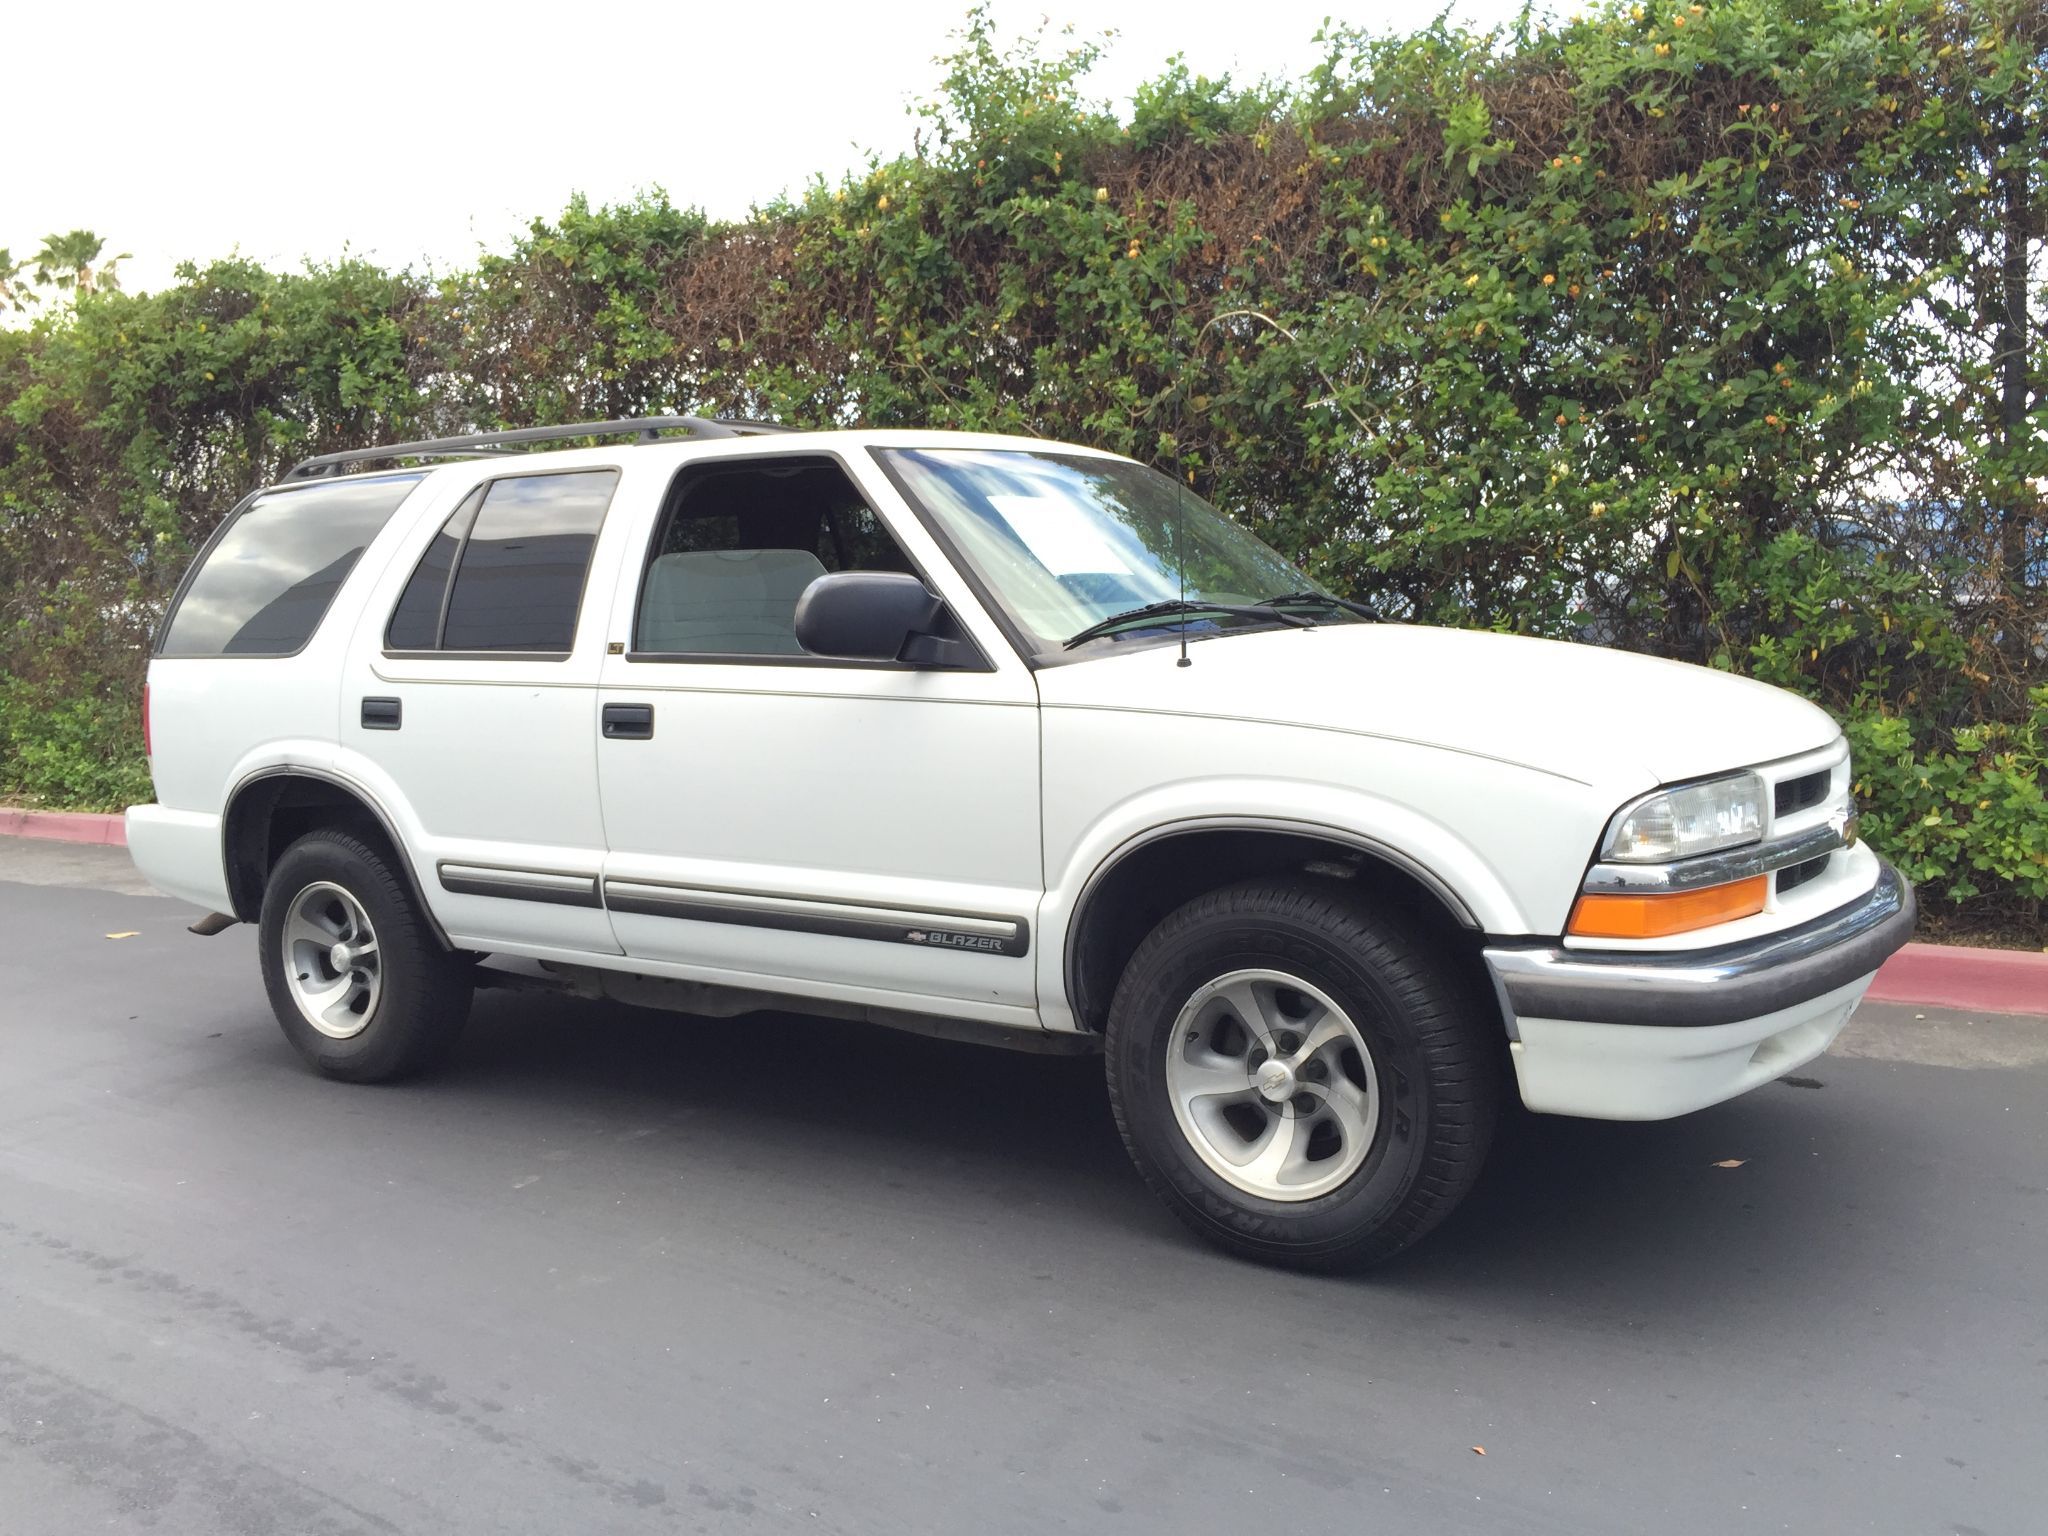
x=506 y=571
x=265 y=583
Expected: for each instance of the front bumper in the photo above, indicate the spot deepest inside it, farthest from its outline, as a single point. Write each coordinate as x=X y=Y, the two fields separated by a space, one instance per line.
x=1636 y=1036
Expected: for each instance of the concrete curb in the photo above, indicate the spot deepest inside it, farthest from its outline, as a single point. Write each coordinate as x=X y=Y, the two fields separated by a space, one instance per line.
x=1968 y=980
x=65 y=826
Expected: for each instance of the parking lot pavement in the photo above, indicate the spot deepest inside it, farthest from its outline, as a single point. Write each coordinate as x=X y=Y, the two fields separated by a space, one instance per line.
x=616 y=1271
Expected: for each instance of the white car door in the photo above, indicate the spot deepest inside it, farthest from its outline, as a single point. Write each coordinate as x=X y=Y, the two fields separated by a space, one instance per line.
x=814 y=826
x=471 y=706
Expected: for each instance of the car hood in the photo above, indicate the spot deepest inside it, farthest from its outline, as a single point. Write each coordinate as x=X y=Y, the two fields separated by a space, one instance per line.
x=1583 y=712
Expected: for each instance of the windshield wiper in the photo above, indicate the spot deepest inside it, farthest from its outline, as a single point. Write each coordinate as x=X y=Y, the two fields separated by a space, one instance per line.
x=1184 y=607
x=1307 y=597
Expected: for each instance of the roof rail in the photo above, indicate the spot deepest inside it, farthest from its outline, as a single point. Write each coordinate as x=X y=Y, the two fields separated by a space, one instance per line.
x=486 y=444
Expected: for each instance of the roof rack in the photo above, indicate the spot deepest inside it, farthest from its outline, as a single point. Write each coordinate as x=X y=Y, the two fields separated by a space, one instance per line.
x=488 y=444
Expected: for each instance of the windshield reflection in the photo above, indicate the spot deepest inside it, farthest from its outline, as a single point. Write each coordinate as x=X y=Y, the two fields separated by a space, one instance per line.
x=1065 y=541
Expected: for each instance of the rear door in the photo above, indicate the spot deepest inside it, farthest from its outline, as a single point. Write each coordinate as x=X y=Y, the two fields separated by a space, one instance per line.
x=472 y=699
x=812 y=825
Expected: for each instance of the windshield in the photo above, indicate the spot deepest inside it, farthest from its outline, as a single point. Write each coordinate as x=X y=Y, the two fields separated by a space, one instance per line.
x=1064 y=541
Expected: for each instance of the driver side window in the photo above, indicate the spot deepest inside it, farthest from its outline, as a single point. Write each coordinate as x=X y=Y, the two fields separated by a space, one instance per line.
x=736 y=546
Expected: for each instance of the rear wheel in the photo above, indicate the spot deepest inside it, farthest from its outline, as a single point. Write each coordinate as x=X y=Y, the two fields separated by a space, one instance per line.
x=356 y=979
x=1300 y=1076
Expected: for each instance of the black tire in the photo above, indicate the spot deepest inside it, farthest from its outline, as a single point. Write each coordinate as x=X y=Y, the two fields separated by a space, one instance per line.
x=1433 y=1053
x=423 y=992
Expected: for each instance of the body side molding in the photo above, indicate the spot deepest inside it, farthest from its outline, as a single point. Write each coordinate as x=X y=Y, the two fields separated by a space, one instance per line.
x=556 y=887
x=972 y=932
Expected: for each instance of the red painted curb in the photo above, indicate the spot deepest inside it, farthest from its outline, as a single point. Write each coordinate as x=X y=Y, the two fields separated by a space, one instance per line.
x=65 y=826
x=1951 y=976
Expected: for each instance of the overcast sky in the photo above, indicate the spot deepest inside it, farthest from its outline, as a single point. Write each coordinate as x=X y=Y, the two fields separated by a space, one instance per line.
x=415 y=132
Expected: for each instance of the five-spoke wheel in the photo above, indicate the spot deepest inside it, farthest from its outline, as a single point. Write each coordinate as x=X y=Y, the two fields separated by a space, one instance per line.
x=356 y=977
x=1272 y=1084
x=330 y=960
x=1302 y=1073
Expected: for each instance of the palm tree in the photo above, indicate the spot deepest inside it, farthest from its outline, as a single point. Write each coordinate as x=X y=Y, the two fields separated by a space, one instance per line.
x=14 y=292
x=67 y=262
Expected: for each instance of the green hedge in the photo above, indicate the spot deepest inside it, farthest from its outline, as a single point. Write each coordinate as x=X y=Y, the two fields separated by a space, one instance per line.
x=1707 y=330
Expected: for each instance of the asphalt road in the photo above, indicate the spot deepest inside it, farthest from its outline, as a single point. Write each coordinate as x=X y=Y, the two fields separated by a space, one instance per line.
x=621 y=1272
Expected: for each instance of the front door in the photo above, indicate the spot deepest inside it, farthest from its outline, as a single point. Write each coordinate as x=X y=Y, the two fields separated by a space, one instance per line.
x=784 y=821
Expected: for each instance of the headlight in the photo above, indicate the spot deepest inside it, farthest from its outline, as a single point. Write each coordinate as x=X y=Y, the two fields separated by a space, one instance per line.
x=1678 y=823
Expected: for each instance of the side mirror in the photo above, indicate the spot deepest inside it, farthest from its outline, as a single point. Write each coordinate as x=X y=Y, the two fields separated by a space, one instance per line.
x=880 y=616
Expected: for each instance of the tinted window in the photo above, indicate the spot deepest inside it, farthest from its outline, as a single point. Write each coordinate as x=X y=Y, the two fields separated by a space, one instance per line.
x=416 y=621
x=520 y=581
x=266 y=583
x=738 y=546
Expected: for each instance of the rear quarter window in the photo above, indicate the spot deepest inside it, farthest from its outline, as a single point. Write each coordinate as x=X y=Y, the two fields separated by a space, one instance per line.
x=266 y=581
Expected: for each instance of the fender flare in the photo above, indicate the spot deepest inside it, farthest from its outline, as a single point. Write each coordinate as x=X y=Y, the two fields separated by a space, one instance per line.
x=1454 y=905
x=355 y=791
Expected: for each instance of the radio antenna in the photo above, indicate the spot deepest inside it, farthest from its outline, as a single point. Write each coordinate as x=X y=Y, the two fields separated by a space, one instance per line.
x=1180 y=419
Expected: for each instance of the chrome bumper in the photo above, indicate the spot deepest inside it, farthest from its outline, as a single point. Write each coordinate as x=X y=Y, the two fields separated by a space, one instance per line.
x=1704 y=987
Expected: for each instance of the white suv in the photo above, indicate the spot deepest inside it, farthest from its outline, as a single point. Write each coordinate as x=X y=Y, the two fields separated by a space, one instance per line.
x=1001 y=739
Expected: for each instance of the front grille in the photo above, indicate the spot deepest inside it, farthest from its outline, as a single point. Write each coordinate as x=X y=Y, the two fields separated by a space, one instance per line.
x=1796 y=795
x=1798 y=874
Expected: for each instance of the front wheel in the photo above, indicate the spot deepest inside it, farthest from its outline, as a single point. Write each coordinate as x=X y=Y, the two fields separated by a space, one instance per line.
x=1300 y=1076
x=356 y=979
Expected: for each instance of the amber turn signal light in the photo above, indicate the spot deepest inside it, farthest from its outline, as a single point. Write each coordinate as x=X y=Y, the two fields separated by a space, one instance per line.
x=1658 y=914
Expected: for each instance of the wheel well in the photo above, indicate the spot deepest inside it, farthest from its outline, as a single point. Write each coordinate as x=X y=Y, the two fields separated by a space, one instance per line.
x=1127 y=902
x=271 y=813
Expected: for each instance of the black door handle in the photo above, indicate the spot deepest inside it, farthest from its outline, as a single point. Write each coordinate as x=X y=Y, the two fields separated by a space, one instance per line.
x=628 y=722
x=382 y=714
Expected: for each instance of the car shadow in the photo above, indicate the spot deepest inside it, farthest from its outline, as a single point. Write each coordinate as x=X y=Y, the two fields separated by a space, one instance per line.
x=822 y=1079
x=1619 y=1223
